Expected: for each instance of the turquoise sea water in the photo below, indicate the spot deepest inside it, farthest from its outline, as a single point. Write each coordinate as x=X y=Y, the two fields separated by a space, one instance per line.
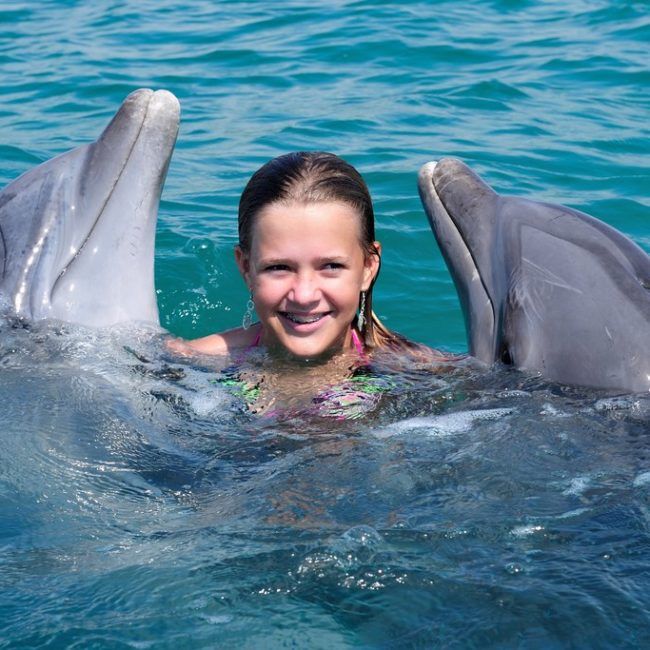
x=545 y=99
x=143 y=539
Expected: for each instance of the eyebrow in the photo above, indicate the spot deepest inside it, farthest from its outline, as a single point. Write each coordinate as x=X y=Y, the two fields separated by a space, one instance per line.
x=333 y=258
x=270 y=261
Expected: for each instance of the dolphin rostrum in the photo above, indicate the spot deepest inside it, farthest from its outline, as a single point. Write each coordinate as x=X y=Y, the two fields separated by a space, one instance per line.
x=542 y=287
x=77 y=232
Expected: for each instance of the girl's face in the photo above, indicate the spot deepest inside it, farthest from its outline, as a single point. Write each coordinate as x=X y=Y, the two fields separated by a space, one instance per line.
x=306 y=268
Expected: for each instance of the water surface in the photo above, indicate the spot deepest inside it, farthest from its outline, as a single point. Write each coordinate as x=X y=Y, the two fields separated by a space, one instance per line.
x=143 y=507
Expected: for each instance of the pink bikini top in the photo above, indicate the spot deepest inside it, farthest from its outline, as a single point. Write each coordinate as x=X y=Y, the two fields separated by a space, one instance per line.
x=357 y=343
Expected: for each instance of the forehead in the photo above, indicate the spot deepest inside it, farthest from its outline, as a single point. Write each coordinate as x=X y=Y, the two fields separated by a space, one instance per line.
x=326 y=222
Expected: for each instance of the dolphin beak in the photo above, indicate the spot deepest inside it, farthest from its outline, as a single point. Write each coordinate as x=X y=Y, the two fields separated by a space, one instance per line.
x=475 y=300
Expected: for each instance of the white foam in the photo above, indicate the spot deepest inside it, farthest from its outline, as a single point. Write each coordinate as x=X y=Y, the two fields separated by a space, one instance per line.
x=573 y=513
x=577 y=486
x=641 y=479
x=615 y=403
x=442 y=425
x=204 y=404
x=526 y=530
x=513 y=393
x=549 y=409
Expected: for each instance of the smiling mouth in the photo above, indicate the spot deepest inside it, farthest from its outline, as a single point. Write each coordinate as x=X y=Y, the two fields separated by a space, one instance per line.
x=305 y=319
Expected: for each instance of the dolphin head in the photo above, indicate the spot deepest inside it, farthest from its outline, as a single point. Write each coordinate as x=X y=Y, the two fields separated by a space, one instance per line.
x=542 y=287
x=454 y=198
x=77 y=232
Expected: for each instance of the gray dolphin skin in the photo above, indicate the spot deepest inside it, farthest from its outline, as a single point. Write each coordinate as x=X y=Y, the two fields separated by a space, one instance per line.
x=542 y=287
x=77 y=233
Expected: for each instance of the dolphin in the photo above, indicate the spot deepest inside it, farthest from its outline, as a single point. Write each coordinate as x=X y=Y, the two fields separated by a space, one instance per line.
x=77 y=232
x=542 y=287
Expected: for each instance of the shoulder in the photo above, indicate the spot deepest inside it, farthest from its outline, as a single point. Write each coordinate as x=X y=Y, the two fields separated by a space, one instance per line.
x=425 y=354
x=411 y=352
x=221 y=343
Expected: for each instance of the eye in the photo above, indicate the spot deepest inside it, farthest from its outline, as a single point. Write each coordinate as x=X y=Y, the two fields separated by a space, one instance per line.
x=333 y=266
x=276 y=268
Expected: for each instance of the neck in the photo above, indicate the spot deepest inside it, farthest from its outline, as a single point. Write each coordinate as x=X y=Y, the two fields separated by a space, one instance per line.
x=351 y=342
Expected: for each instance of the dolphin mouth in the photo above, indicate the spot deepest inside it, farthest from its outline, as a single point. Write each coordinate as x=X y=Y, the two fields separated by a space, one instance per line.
x=460 y=231
x=476 y=301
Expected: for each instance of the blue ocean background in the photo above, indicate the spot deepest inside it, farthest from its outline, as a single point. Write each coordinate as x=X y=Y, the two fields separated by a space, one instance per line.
x=544 y=99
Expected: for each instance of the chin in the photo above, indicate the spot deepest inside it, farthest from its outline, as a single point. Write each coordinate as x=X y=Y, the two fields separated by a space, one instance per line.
x=317 y=345
x=310 y=349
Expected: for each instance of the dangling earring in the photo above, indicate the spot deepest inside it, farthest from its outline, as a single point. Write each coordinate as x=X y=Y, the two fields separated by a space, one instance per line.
x=247 y=321
x=361 y=318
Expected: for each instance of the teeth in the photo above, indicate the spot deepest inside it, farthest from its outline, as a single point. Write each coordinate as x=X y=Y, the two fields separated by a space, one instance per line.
x=301 y=320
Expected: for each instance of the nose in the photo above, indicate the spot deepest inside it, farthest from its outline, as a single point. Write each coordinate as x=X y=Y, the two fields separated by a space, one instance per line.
x=305 y=289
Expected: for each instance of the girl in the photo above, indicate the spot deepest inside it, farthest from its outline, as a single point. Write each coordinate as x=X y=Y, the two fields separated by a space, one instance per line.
x=308 y=254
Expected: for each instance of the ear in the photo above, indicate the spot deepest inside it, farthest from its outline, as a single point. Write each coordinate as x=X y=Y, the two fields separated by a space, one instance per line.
x=243 y=264
x=371 y=266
